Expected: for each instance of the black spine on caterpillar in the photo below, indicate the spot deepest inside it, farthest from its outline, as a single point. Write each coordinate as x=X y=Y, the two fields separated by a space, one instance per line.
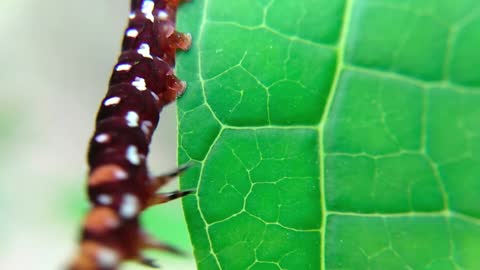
x=119 y=184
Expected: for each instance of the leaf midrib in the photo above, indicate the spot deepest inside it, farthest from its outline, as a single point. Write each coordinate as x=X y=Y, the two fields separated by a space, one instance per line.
x=321 y=155
x=202 y=85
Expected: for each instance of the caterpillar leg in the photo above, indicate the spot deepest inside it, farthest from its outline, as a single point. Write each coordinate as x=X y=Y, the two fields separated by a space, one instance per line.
x=162 y=180
x=180 y=41
x=176 y=87
x=160 y=198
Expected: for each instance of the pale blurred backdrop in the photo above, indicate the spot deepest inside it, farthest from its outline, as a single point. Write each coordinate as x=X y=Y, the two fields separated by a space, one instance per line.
x=56 y=58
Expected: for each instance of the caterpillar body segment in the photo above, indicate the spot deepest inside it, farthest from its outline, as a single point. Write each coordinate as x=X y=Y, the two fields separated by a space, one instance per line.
x=120 y=186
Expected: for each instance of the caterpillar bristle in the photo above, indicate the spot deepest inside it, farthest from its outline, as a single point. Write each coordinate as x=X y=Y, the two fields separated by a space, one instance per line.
x=162 y=180
x=119 y=184
x=153 y=244
x=149 y=263
x=160 y=198
x=181 y=169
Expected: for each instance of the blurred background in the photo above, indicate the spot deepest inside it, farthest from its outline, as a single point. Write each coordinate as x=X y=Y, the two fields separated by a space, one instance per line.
x=56 y=59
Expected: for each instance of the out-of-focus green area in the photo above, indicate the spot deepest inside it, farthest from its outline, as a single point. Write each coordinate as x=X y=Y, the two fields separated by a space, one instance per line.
x=56 y=60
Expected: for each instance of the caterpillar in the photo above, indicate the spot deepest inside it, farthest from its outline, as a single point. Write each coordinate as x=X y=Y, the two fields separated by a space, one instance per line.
x=119 y=184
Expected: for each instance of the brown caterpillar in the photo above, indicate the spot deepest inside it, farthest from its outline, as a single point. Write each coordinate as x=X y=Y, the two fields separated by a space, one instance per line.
x=119 y=184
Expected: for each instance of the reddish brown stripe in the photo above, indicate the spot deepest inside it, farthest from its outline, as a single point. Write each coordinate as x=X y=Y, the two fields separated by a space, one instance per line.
x=107 y=174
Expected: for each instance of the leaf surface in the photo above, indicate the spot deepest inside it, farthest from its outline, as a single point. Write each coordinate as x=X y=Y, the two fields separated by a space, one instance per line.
x=332 y=134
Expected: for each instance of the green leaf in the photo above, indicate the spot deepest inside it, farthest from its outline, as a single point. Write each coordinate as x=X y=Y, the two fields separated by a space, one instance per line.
x=332 y=134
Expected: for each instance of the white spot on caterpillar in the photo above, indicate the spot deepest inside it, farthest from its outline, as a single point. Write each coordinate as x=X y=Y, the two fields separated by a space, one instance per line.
x=132 y=119
x=168 y=29
x=120 y=174
x=146 y=126
x=132 y=33
x=155 y=96
x=113 y=223
x=148 y=6
x=144 y=50
x=132 y=155
x=104 y=199
x=132 y=15
x=111 y=101
x=163 y=15
x=102 y=138
x=107 y=258
x=147 y=9
x=130 y=206
x=139 y=83
x=123 y=67
x=149 y=17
